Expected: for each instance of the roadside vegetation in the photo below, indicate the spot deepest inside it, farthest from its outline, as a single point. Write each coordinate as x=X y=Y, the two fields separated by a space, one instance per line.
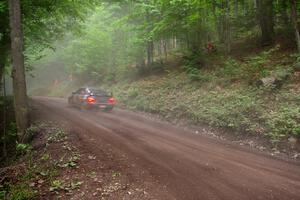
x=229 y=95
x=232 y=64
x=54 y=166
x=226 y=64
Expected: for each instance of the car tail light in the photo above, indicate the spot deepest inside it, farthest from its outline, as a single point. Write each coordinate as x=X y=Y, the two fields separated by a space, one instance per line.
x=91 y=100
x=111 y=101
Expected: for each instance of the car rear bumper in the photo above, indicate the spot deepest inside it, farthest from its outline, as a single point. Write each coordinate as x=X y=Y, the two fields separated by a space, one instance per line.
x=100 y=106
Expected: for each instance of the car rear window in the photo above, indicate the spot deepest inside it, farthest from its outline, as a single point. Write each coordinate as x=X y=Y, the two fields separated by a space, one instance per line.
x=99 y=92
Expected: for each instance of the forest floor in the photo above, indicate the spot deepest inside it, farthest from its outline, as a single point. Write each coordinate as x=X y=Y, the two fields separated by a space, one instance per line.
x=63 y=163
x=127 y=155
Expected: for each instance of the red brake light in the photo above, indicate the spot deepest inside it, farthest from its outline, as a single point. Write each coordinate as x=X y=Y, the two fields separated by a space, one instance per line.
x=111 y=101
x=91 y=100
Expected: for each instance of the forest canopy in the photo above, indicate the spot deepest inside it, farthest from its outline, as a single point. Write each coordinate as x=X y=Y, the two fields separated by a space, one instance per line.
x=122 y=36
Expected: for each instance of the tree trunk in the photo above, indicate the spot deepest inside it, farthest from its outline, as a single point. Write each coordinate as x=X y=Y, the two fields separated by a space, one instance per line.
x=165 y=50
x=255 y=4
x=283 y=6
x=266 y=21
x=4 y=120
x=295 y=22
x=187 y=38
x=140 y=63
x=2 y=66
x=160 y=50
x=18 y=71
x=228 y=28
x=175 y=42
x=149 y=53
x=152 y=51
x=4 y=46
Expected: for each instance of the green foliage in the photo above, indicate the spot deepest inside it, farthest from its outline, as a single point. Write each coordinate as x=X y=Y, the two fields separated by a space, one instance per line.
x=12 y=129
x=57 y=185
x=283 y=72
x=23 y=148
x=176 y=97
x=193 y=64
x=11 y=135
x=237 y=106
x=72 y=162
x=2 y=6
x=117 y=38
x=231 y=69
x=58 y=136
x=21 y=192
x=45 y=157
x=43 y=23
x=103 y=47
x=32 y=131
x=254 y=68
x=283 y=122
x=116 y=174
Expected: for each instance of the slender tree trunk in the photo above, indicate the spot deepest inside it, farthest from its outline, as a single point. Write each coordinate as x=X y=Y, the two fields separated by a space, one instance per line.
x=152 y=51
x=295 y=22
x=187 y=37
x=284 y=13
x=228 y=28
x=150 y=48
x=175 y=42
x=18 y=71
x=266 y=21
x=140 y=63
x=255 y=4
x=236 y=8
x=3 y=55
x=2 y=66
x=160 y=49
x=165 y=50
x=4 y=120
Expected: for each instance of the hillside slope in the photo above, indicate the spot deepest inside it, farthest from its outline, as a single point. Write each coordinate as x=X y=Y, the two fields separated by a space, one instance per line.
x=257 y=94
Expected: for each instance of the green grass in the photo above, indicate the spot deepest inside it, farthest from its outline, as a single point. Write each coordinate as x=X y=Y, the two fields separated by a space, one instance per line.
x=21 y=192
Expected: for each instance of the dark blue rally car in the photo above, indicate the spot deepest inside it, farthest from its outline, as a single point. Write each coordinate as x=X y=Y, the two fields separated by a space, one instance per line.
x=91 y=98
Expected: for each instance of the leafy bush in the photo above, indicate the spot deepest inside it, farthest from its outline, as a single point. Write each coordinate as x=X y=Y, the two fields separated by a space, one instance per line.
x=283 y=122
x=231 y=68
x=23 y=148
x=21 y=192
x=239 y=107
x=193 y=63
x=58 y=136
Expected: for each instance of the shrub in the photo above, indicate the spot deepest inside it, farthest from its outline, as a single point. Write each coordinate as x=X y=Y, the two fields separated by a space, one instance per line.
x=231 y=68
x=283 y=122
x=21 y=192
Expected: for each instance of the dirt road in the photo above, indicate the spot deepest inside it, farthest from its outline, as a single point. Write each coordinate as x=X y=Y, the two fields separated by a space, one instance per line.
x=184 y=165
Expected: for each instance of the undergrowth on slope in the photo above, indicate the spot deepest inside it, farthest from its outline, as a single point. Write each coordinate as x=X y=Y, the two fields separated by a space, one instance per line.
x=223 y=92
x=228 y=96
